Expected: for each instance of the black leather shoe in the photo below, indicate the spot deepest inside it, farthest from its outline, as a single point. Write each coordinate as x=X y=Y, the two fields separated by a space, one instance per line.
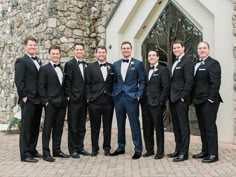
x=107 y=153
x=75 y=155
x=137 y=155
x=159 y=156
x=84 y=152
x=174 y=154
x=210 y=159
x=37 y=155
x=180 y=158
x=62 y=155
x=117 y=153
x=200 y=155
x=93 y=154
x=30 y=160
x=147 y=154
x=49 y=159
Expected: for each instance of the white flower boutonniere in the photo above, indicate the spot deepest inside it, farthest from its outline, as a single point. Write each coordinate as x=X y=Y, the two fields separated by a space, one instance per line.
x=85 y=65
x=132 y=63
x=108 y=67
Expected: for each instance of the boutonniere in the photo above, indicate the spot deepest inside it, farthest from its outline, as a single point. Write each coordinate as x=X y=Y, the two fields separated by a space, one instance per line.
x=85 y=65
x=203 y=62
x=108 y=67
x=155 y=69
x=132 y=63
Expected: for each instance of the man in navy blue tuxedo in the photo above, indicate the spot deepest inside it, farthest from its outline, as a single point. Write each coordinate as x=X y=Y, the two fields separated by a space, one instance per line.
x=129 y=83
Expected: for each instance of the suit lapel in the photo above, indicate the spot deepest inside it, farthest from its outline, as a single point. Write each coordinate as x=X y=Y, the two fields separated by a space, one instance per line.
x=76 y=65
x=119 y=68
x=129 y=68
x=31 y=62
x=98 y=71
x=54 y=72
x=156 y=71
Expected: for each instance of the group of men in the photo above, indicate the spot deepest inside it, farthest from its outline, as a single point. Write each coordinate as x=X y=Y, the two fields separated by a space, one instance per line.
x=101 y=86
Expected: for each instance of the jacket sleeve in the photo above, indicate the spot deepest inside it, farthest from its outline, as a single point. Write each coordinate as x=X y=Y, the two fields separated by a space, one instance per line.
x=214 y=80
x=20 y=70
x=165 y=85
x=43 y=85
x=188 y=78
x=141 y=79
x=68 y=79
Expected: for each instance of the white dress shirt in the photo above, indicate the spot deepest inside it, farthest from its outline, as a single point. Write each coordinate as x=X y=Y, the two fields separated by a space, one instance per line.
x=81 y=66
x=103 y=70
x=58 y=71
x=124 y=68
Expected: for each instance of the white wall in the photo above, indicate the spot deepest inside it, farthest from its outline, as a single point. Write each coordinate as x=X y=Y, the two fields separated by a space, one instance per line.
x=134 y=19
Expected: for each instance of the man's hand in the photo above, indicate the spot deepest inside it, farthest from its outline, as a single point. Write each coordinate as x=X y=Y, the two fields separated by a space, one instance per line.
x=24 y=99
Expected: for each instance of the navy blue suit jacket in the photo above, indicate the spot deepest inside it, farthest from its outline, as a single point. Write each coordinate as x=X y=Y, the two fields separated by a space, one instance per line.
x=134 y=83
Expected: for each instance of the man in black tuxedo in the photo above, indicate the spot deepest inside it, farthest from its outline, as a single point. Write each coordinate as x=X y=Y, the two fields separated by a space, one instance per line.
x=180 y=96
x=52 y=95
x=99 y=81
x=206 y=97
x=155 y=96
x=128 y=88
x=75 y=91
x=26 y=80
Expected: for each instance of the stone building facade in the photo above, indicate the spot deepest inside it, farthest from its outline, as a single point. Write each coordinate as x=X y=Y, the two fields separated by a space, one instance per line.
x=60 y=22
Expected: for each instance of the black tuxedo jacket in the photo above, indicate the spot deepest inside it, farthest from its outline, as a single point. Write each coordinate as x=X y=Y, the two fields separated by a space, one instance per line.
x=182 y=80
x=26 y=79
x=75 y=87
x=50 y=89
x=207 y=81
x=157 y=88
x=96 y=86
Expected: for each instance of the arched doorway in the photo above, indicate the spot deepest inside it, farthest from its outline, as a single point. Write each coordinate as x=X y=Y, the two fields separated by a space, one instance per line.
x=172 y=24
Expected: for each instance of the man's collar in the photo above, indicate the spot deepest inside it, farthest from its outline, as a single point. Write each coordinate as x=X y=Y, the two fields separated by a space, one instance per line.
x=204 y=58
x=79 y=59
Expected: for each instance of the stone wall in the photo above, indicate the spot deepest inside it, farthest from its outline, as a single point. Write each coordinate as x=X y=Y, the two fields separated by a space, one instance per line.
x=60 y=22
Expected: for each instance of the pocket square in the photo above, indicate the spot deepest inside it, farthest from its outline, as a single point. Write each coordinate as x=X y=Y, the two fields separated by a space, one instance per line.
x=202 y=69
x=178 y=67
x=112 y=73
x=155 y=74
x=132 y=68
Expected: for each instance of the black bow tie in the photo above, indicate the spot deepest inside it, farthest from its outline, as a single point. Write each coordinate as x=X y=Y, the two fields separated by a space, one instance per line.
x=126 y=60
x=56 y=65
x=80 y=62
x=34 y=58
x=101 y=65
x=151 y=67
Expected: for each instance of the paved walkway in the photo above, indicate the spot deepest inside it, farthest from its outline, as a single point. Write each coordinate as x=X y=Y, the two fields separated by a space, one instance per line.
x=120 y=166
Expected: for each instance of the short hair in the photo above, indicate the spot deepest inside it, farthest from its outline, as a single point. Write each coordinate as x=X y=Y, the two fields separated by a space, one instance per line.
x=179 y=42
x=208 y=45
x=78 y=43
x=126 y=42
x=101 y=47
x=29 y=38
x=153 y=50
x=54 y=47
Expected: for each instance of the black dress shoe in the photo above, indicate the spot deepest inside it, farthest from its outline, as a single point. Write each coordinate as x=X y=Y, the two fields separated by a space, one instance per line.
x=61 y=154
x=37 y=155
x=84 y=152
x=107 y=153
x=180 y=158
x=159 y=156
x=200 y=155
x=75 y=155
x=93 y=154
x=117 y=153
x=49 y=158
x=174 y=154
x=147 y=154
x=30 y=160
x=210 y=159
x=137 y=155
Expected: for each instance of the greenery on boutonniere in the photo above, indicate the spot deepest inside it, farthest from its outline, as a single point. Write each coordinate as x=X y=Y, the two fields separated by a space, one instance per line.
x=132 y=63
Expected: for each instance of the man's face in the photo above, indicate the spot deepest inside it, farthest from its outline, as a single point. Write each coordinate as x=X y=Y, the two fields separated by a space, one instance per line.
x=178 y=50
x=79 y=51
x=203 y=50
x=31 y=47
x=101 y=54
x=152 y=57
x=126 y=50
x=55 y=55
